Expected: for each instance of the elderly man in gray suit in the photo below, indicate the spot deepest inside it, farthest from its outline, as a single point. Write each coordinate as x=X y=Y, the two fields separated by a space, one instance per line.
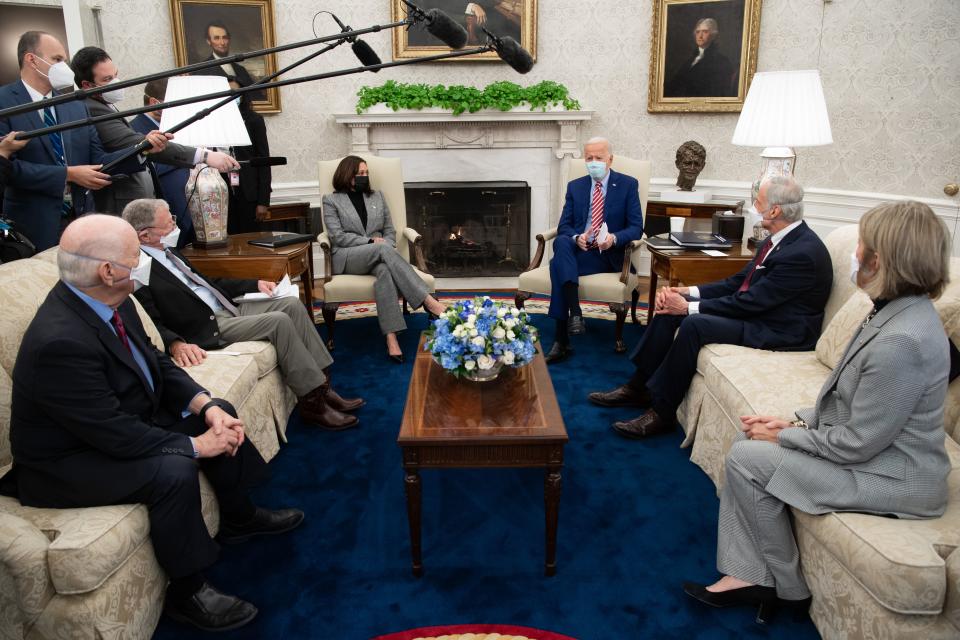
x=364 y=241
x=874 y=441
x=92 y=67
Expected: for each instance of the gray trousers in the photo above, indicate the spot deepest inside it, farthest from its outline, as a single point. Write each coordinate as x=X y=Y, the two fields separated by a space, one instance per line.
x=394 y=276
x=755 y=537
x=284 y=322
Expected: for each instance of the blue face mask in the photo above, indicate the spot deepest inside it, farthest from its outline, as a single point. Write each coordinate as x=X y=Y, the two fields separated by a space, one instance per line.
x=597 y=169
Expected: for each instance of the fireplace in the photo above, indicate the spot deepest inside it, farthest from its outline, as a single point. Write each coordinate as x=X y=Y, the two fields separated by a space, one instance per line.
x=472 y=228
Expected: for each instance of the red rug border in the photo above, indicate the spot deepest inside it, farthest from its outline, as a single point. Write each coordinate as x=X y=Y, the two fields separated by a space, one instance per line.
x=427 y=632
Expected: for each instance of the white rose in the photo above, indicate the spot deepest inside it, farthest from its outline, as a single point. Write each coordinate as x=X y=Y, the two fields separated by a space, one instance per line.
x=508 y=357
x=471 y=319
x=511 y=335
x=457 y=331
x=502 y=311
x=479 y=341
x=515 y=312
x=473 y=332
x=485 y=362
x=469 y=365
x=499 y=333
x=509 y=323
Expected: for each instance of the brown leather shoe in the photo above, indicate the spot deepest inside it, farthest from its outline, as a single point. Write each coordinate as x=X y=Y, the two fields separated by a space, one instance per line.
x=649 y=424
x=315 y=411
x=558 y=353
x=622 y=396
x=343 y=404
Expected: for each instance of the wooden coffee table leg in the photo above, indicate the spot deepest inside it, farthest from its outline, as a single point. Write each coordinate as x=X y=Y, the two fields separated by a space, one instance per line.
x=412 y=486
x=551 y=499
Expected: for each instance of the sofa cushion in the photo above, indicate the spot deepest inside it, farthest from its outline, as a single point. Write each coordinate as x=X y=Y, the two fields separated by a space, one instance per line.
x=900 y=563
x=262 y=352
x=229 y=377
x=24 y=285
x=836 y=336
x=352 y=288
x=599 y=287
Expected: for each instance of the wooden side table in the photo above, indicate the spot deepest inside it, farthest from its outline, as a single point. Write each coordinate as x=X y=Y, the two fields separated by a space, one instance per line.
x=287 y=212
x=658 y=212
x=240 y=259
x=513 y=421
x=692 y=267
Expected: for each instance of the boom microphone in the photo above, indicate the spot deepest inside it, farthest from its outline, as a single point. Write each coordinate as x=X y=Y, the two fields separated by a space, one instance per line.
x=361 y=49
x=273 y=161
x=446 y=29
x=511 y=52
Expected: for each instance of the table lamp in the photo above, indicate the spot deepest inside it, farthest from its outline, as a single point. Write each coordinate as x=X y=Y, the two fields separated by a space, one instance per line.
x=783 y=109
x=208 y=198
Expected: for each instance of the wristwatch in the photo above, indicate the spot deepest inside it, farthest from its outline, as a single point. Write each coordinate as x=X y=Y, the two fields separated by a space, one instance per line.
x=799 y=422
x=206 y=152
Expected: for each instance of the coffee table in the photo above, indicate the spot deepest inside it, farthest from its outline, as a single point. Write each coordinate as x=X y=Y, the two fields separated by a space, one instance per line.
x=693 y=267
x=513 y=421
x=240 y=259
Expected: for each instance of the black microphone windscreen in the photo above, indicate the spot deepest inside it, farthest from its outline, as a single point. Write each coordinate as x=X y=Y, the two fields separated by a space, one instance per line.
x=514 y=55
x=366 y=54
x=446 y=29
x=273 y=161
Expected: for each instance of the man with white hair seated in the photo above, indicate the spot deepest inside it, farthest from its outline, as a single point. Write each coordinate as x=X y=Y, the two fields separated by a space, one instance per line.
x=775 y=302
x=601 y=216
x=101 y=417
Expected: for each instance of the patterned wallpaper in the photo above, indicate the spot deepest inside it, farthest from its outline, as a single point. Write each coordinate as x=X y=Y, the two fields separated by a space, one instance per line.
x=889 y=70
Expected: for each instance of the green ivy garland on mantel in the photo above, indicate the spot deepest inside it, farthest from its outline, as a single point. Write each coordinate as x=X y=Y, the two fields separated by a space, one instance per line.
x=458 y=98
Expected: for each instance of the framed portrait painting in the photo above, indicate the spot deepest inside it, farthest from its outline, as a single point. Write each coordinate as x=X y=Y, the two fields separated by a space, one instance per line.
x=703 y=54
x=206 y=29
x=514 y=18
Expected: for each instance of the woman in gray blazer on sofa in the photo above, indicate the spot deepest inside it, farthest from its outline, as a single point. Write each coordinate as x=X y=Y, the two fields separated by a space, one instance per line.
x=363 y=241
x=874 y=441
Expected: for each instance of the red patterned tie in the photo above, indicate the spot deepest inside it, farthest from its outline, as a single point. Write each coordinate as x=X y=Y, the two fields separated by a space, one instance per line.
x=121 y=332
x=596 y=213
x=763 y=254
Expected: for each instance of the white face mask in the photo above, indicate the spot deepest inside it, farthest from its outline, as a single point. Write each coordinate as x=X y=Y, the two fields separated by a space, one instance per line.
x=170 y=240
x=114 y=95
x=140 y=274
x=854 y=268
x=60 y=75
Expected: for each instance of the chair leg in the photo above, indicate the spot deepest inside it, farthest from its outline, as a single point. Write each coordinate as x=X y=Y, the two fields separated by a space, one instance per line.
x=634 y=297
x=620 y=309
x=520 y=298
x=329 y=317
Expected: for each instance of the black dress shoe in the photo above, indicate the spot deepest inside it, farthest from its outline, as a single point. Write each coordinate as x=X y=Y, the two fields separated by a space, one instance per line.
x=576 y=326
x=764 y=598
x=649 y=424
x=264 y=523
x=210 y=610
x=558 y=353
x=622 y=396
x=398 y=359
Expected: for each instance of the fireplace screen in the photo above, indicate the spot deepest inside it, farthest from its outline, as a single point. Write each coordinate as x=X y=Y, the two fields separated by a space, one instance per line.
x=472 y=228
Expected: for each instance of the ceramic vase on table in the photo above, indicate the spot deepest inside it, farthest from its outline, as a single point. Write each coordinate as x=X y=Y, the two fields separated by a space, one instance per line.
x=208 y=200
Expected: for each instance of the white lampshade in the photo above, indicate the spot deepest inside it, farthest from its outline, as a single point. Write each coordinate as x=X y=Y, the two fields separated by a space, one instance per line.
x=222 y=128
x=784 y=109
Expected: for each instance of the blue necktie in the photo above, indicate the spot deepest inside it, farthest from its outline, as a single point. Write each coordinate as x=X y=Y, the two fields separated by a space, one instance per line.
x=56 y=140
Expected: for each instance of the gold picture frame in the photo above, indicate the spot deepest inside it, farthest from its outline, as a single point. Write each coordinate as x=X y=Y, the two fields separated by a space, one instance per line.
x=514 y=18
x=249 y=25
x=709 y=71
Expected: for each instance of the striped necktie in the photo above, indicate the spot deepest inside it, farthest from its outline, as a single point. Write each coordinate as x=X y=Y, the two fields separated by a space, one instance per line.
x=56 y=141
x=231 y=308
x=596 y=213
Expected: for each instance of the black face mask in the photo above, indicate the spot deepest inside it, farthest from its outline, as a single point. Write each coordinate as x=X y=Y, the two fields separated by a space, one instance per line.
x=361 y=183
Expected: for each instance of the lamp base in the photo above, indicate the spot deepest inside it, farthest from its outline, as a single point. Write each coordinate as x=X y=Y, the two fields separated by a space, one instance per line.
x=776 y=161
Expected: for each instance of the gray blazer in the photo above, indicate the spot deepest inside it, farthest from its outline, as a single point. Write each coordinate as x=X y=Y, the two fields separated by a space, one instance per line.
x=876 y=433
x=342 y=223
x=116 y=135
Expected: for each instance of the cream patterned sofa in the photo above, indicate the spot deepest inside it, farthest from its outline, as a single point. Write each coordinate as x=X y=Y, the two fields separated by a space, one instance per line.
x=871 y=577
x=91 y=573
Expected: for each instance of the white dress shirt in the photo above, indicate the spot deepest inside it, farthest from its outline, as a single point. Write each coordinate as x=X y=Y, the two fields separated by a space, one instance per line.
x=202 y=293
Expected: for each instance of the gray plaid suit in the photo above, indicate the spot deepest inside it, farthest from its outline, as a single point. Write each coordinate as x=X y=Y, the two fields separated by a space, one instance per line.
x=875 y=445
x=353 y=253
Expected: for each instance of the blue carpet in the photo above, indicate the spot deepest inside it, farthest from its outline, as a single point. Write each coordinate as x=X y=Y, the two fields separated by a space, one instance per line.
x=636 y=520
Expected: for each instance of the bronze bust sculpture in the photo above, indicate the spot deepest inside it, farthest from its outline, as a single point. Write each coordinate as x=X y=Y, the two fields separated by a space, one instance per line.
x=691 y=157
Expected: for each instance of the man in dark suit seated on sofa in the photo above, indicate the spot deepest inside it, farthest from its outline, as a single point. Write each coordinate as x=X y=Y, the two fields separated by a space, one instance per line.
x=601 y=216
x=194 y=313
x=100 y=417
x=775 y=302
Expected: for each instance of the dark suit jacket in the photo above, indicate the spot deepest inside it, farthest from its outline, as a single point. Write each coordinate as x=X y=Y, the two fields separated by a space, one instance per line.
x=34 y=194
x=6 y=167
x=179 y=313
x=712 y=76
x=255 y=182
x=173 y=183
x=80 y=400
x=621 y=210
x=117 y=134
x=783 y=308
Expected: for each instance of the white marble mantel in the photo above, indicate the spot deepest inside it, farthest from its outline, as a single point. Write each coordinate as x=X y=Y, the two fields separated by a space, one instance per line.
x=380 y=128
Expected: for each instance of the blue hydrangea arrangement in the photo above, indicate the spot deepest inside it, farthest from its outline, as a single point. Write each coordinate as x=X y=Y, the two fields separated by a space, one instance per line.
x=474 y=336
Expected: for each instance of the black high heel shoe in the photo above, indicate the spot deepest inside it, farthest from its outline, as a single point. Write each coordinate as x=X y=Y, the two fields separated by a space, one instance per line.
x=764 y=598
